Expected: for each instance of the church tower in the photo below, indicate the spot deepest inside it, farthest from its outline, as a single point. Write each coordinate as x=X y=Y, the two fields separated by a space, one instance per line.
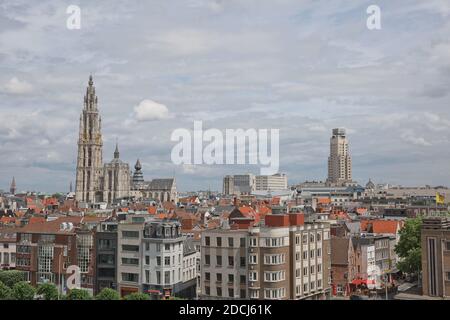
x=89 y=163
x=12 y=188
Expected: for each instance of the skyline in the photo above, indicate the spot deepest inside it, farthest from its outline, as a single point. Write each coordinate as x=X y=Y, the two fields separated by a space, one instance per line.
x=303 y=67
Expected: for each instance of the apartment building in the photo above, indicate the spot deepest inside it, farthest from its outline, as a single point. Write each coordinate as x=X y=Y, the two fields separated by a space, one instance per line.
x=7 y=248
x=281 y=258
x=105 y=247
x=435 y=237
x=153 y=257
x=44 y=251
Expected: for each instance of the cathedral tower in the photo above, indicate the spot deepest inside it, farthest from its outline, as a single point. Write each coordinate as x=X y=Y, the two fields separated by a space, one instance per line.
x=90 y=163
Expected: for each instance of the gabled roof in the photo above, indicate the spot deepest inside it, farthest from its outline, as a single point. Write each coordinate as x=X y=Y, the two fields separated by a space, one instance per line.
x=381 y=226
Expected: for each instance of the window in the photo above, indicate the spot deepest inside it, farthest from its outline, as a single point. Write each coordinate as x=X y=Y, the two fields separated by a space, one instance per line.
x=319 y=268
x=130 y=261
x=297 y=256
x=147 y=276
x=243 y=280
x=147 y=260
x=242 y=242
x=230 y=242
x=305 y=271
x=45 y=258
x=219 y=241
x=305 y=287
x=311 y=237
x=219 y=291
x=242 y=264
x=230 y=261
x=297 y=240
x=167 y=247
x=254 y=294
x=219 y=260
x=274 y=276
x=242 y=294
x=131 y=248
x=305 y=255
x=207 y=259
x=167 y=261
x=231 y=292
x=167 y=277
x=158 y=247
x=207 y=276
x=207 y=241
x=312 y=285
x=130 y=234
x=219 y=277
x=318 y=237
x=106 y=259
x=312 y=269
x=253 y=242
x=305 y=239
x=312 y=254
x=158 y=277
x=253 y=259
x=158 y=260
x=447 y=245
x=207 y=291
x=25 y=237
x=253 y=276
x=47 y=238
x=231 y=278
x=319 y=284
x=130 y=277
x=319 y=253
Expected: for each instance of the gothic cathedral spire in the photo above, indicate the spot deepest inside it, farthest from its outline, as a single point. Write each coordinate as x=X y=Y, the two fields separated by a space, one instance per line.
x=90 y=149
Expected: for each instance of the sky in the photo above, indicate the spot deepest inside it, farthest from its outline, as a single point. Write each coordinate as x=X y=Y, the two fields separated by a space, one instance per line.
x=303 y=67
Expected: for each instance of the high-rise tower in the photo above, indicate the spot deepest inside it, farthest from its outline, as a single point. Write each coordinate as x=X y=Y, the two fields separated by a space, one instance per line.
x=339 y=161
x=90 y=163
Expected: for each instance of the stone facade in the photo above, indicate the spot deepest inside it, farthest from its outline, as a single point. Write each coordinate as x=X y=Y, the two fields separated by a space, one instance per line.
x=95 y=181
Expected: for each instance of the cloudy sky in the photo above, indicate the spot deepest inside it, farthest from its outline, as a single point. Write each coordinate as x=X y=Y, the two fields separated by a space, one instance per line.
x=301 y=66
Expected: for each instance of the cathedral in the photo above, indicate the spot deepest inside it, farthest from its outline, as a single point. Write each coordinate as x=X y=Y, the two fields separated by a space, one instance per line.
x=98 y=182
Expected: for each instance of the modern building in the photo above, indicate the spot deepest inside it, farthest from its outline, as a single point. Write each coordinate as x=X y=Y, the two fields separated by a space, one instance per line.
x=339 y=161
x=271 y=183
x=435 y=237
x=105 y=247
x=248 y=183
x=281 y=258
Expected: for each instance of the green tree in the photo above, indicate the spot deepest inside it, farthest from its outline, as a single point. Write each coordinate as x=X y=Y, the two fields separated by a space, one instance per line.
x=11 y=277
x=5 y=292
x=23 y=291
x=78 y=294
x=48 y=290
x=409 y=247
x=137 y=296
x=107 y=294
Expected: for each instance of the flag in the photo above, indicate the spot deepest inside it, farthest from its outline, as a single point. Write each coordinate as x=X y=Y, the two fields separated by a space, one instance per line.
x=440 y=198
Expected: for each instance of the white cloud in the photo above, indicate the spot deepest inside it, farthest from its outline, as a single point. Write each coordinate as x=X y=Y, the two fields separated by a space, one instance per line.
x=414 y=139
x=149 y=110
x=17 y=86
